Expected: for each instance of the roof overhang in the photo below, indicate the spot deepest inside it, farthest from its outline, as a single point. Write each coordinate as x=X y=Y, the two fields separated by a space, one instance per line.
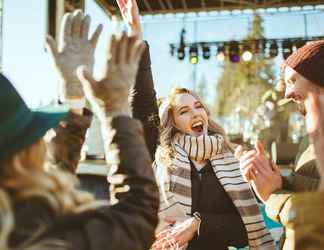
x=183 y=6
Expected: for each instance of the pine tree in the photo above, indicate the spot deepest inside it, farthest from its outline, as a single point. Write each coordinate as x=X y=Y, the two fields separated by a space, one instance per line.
x=242 y=84
x=202 y=88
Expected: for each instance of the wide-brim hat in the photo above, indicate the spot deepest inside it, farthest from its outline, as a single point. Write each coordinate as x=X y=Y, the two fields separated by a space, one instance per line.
x=19 y=125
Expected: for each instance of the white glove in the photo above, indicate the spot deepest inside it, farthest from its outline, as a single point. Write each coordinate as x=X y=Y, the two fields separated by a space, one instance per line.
x=109 y=96
x=74 y=49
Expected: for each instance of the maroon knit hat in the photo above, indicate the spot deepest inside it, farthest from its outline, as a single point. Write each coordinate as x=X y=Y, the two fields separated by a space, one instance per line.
x=309 y=62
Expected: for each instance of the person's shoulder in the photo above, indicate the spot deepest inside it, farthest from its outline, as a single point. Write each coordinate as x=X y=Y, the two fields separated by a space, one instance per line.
x=306 y=159
x=33 y=209
x=30 y=217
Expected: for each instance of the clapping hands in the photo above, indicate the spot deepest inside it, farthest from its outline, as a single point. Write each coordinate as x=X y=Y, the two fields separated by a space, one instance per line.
x=263 y=175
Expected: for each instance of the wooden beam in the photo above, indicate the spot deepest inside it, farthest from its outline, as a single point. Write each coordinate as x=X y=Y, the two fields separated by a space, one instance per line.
x=1 y=35
x=147 y=5
x=71 y=5
x=272 y=2
x=162 y=5
x=184 y=4
x=169 y=7
x=51 y=21
x=107 y=8
x=56 y=10
x=169 y=3
x=203 y=4
x=240 y=2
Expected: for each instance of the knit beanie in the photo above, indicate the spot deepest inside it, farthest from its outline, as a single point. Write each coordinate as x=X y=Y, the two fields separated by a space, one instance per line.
x=309 y=62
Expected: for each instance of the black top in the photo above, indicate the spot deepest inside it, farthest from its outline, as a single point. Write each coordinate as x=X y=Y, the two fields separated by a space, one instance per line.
x=221 y=224
x=143 y=104
x=128 y=225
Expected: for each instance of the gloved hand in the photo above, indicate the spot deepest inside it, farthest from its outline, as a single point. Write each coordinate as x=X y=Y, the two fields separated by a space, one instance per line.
x=109 y=96
x=73 y=50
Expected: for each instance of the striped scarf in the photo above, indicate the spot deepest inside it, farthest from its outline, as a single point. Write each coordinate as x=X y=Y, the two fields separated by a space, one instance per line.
x=175 y=183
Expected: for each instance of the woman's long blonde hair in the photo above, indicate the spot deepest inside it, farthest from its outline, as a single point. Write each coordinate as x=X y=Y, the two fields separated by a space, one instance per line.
x=165 y=152
x=21 y=180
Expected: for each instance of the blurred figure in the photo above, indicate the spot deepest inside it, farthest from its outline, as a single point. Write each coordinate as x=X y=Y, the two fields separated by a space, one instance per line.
x=303 y=74
x=305 y=224
x=41 y=209
x=73 y=50
x=205 y=204
x=143 y=99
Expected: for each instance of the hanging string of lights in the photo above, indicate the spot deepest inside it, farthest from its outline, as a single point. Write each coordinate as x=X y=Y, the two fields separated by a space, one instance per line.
x=236 y=51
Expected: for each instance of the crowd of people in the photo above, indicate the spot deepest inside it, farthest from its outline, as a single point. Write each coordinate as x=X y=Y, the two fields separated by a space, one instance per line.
x=175 y=180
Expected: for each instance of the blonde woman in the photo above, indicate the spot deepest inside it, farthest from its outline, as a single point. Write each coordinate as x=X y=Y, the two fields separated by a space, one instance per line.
x=41 y=209
x=204 y=200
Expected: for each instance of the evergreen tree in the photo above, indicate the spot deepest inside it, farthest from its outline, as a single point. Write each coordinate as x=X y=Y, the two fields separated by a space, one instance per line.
x=202 y=88
x=242 y=84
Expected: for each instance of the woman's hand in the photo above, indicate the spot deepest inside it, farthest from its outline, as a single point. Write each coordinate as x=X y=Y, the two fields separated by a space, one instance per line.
x=109 y=96
x=130 y=14
x=177 y=236
x=73 y=50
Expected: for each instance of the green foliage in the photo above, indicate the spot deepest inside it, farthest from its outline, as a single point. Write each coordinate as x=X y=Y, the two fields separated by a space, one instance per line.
x=243 y=84
x=202 y=88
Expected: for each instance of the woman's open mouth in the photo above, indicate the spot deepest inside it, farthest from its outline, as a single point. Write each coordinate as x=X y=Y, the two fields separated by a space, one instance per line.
x=198 y=127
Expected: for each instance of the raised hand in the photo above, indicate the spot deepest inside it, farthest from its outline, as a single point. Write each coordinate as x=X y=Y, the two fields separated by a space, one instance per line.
x=74 y=49
x=314 y=105
x=130 y=14
x=109 y=96
x=263 y=175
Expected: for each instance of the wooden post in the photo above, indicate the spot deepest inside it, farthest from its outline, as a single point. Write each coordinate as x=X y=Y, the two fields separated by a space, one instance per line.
x=1 y=34
x=56 y=10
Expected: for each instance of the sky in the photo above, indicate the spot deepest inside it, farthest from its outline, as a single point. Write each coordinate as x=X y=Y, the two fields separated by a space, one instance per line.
x=26 y=63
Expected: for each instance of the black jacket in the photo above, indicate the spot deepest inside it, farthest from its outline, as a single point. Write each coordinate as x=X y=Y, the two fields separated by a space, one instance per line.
x=130 y=224
x=144 y=107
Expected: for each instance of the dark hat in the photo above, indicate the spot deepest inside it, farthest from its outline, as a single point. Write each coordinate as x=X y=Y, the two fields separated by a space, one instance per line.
x=309 y=62
x=19 y=125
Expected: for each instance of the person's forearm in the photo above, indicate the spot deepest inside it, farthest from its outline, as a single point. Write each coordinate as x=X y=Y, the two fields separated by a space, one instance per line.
x=64 y=142
x=276 y=208
x=302 y=183
x=133 y=186
x=305 y=220
x=143 y=102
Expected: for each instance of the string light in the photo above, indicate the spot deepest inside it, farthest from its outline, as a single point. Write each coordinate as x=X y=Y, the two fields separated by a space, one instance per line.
x=193 y=55
x=181 y=53
x=234 y=52
x=263 y=48
x=247 y=53
x=287 y=48
x=220 y=53
x=273 y=50
x=206 y=51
